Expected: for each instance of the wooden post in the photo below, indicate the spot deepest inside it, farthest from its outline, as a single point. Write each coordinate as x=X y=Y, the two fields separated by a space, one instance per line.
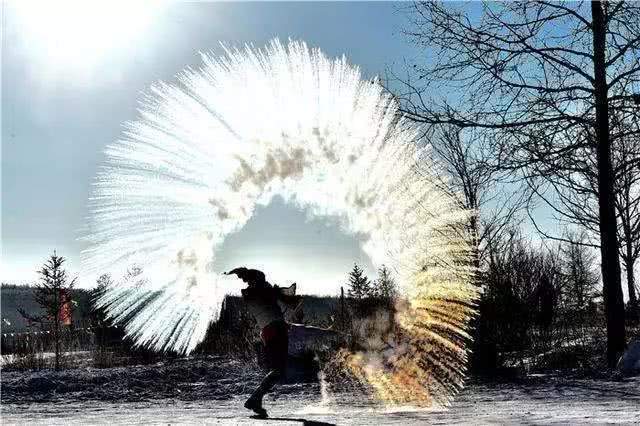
x=342 y=316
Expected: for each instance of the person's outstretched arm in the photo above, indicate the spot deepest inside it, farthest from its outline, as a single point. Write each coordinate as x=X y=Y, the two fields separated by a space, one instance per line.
x=289 y=300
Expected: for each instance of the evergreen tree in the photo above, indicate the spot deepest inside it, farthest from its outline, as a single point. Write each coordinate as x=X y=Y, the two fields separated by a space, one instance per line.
x=99 y=314
x=385 y=286
x=359 y=285
x=52 y=293
x=581 y=277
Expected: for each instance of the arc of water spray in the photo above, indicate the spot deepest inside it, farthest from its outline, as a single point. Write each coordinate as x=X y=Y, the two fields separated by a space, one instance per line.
x=283 y=120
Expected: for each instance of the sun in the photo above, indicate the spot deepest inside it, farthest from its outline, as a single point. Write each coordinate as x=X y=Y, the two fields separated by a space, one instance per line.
x=73 y=34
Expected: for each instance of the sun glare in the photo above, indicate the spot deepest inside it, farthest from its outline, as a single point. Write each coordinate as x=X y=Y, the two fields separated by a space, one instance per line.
x=76 y=34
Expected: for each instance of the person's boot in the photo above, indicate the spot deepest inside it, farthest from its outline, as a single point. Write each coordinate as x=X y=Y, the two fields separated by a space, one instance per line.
x=254 y=403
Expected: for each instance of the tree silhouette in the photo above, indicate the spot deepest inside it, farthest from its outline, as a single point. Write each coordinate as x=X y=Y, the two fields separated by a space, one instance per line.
x=98 y=313
x=358 y=286
x=580 y=273
x=385 y=285
x=537 y=74
x=475 y=183
x=52 y=293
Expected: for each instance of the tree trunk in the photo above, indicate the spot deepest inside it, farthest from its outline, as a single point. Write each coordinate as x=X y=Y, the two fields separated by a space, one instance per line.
x=632 y=308
x=633 y=299
x=612 y=285
x=628 y=257
x=56 y=338
x=473 y=224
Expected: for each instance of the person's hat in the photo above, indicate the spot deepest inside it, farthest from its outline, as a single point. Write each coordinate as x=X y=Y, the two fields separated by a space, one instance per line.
x=248 y=274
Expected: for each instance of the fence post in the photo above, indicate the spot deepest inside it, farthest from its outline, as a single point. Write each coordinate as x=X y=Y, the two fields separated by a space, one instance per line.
x=342 y=308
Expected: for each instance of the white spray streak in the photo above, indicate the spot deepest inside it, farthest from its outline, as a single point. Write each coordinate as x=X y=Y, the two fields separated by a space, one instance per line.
x=244 y=127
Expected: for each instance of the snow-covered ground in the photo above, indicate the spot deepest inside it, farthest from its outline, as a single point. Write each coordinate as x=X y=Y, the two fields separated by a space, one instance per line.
x=201 y=394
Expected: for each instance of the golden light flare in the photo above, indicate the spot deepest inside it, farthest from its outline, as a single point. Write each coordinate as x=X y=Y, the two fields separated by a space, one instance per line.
x=433 y=334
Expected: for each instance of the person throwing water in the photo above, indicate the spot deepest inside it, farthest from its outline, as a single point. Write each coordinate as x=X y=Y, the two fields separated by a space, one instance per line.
x=262 y=299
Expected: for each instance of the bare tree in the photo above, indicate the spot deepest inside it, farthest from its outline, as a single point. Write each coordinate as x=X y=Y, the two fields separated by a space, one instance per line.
x=574 y=186
x=626 y=157
x=518 y=303
x=580 y=280
x=533 y=72
x=475 y=182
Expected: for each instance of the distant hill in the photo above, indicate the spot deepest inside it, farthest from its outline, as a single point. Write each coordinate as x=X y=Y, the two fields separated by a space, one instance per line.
x=316 y=310
x=14 y=296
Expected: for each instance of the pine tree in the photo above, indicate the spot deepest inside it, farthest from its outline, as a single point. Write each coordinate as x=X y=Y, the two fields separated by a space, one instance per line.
x=385 y=286
x=99 y=320
x=359 y=285
x=52 y=293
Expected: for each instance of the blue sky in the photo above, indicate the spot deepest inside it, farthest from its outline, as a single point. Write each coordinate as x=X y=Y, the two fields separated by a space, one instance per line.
x=66 y=95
